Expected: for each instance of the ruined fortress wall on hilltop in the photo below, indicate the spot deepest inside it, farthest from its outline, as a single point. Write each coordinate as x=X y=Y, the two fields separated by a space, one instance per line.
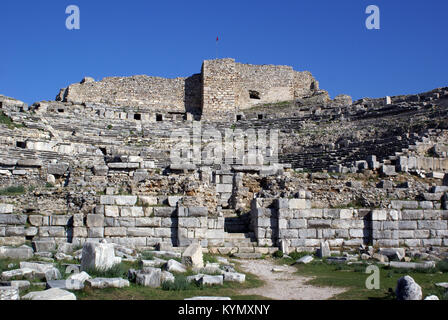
x=156 y=93
x=228 y=85
x=268 y=83
x=223 y=87
x=219 y=80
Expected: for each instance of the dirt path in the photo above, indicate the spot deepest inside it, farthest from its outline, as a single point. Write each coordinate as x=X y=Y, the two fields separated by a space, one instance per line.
x=284 y=285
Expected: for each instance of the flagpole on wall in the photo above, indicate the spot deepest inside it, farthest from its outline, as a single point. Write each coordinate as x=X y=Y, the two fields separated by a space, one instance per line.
x=217 y=40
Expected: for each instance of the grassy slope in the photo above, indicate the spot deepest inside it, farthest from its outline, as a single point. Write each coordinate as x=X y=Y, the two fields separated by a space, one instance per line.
x=353 y=278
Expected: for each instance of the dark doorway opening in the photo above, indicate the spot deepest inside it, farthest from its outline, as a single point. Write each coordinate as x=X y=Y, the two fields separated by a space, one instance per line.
x=254 y=94
x=137 y=117
x=21 y=144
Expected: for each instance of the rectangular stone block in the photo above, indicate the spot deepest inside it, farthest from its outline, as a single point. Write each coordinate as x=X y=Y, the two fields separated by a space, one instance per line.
x=431 y=242
x=124 y=222
x=436 y=225
x=390 y=225
x=197 y=211
x=147 y=200
x=299 y=204
x=140 y=232
x=356 y=233
x=150 y=222
x=307 y=233
x=283 y=223
x=353 y=242
x=342 y=233
x=388 y=243
x=12 y=241
x=131 y=212
x=224 y=188
x=107 y=200
x=402 y=204
x=406 y=234
x=111 y=211
x=426 y=204
x=95 y=220
x=13 y=219
x=52 y=232
x=95 y=232
x=189 y=222
x=297 y=223
x=310 y=213
x=331 y=213
x=341 y=224
x=407 y=225
x=163 y=232
x=115 y=232
x=422 y=234
x=328 y=233
x=319 y=223
x=432 y=214
x=264 y=222
x=379 y=215
x=125 y=200
x=78 y=220
x=80 y=232
x=282 y=213
x=164 y=211
x=59 y=220
x=6 y=208
x=288 y=233
x=346 y=213
x=259 y=233
x=35 y=220
x=412 y=214
x=15 y=231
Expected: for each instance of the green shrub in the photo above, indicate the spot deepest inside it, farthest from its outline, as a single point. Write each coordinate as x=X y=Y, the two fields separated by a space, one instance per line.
x=442 y=266
x=210 y=258
x=278 y=254
x=12 y=190
x=117 y=271
x=180 y=283
x=4 y=119
x=298 y=255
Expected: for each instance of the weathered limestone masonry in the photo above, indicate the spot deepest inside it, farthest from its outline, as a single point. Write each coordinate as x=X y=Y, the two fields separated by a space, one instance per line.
x=229 y=86
x=222 y=88
x=293 y=224
x=153 y=93
x=80 y=171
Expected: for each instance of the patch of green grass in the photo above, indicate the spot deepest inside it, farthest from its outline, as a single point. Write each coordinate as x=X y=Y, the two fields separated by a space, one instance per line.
x=179 y=291
x=4 y=119
x=353 y=278
x=5 y=262
x=442 y=266
x=209 y=258
x=12 y=191
x=180 y=284
x=49 y=185
x=297 y=255
x=117 y=271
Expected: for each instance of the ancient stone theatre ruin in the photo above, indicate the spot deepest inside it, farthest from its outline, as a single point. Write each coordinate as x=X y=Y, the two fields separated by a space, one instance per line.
x=95 y=165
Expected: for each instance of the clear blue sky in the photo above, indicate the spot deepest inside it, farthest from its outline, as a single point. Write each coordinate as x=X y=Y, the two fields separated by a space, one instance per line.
x=38 y=55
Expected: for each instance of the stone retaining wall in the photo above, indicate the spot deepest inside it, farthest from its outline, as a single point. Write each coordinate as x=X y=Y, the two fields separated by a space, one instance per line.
x=293 y=223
